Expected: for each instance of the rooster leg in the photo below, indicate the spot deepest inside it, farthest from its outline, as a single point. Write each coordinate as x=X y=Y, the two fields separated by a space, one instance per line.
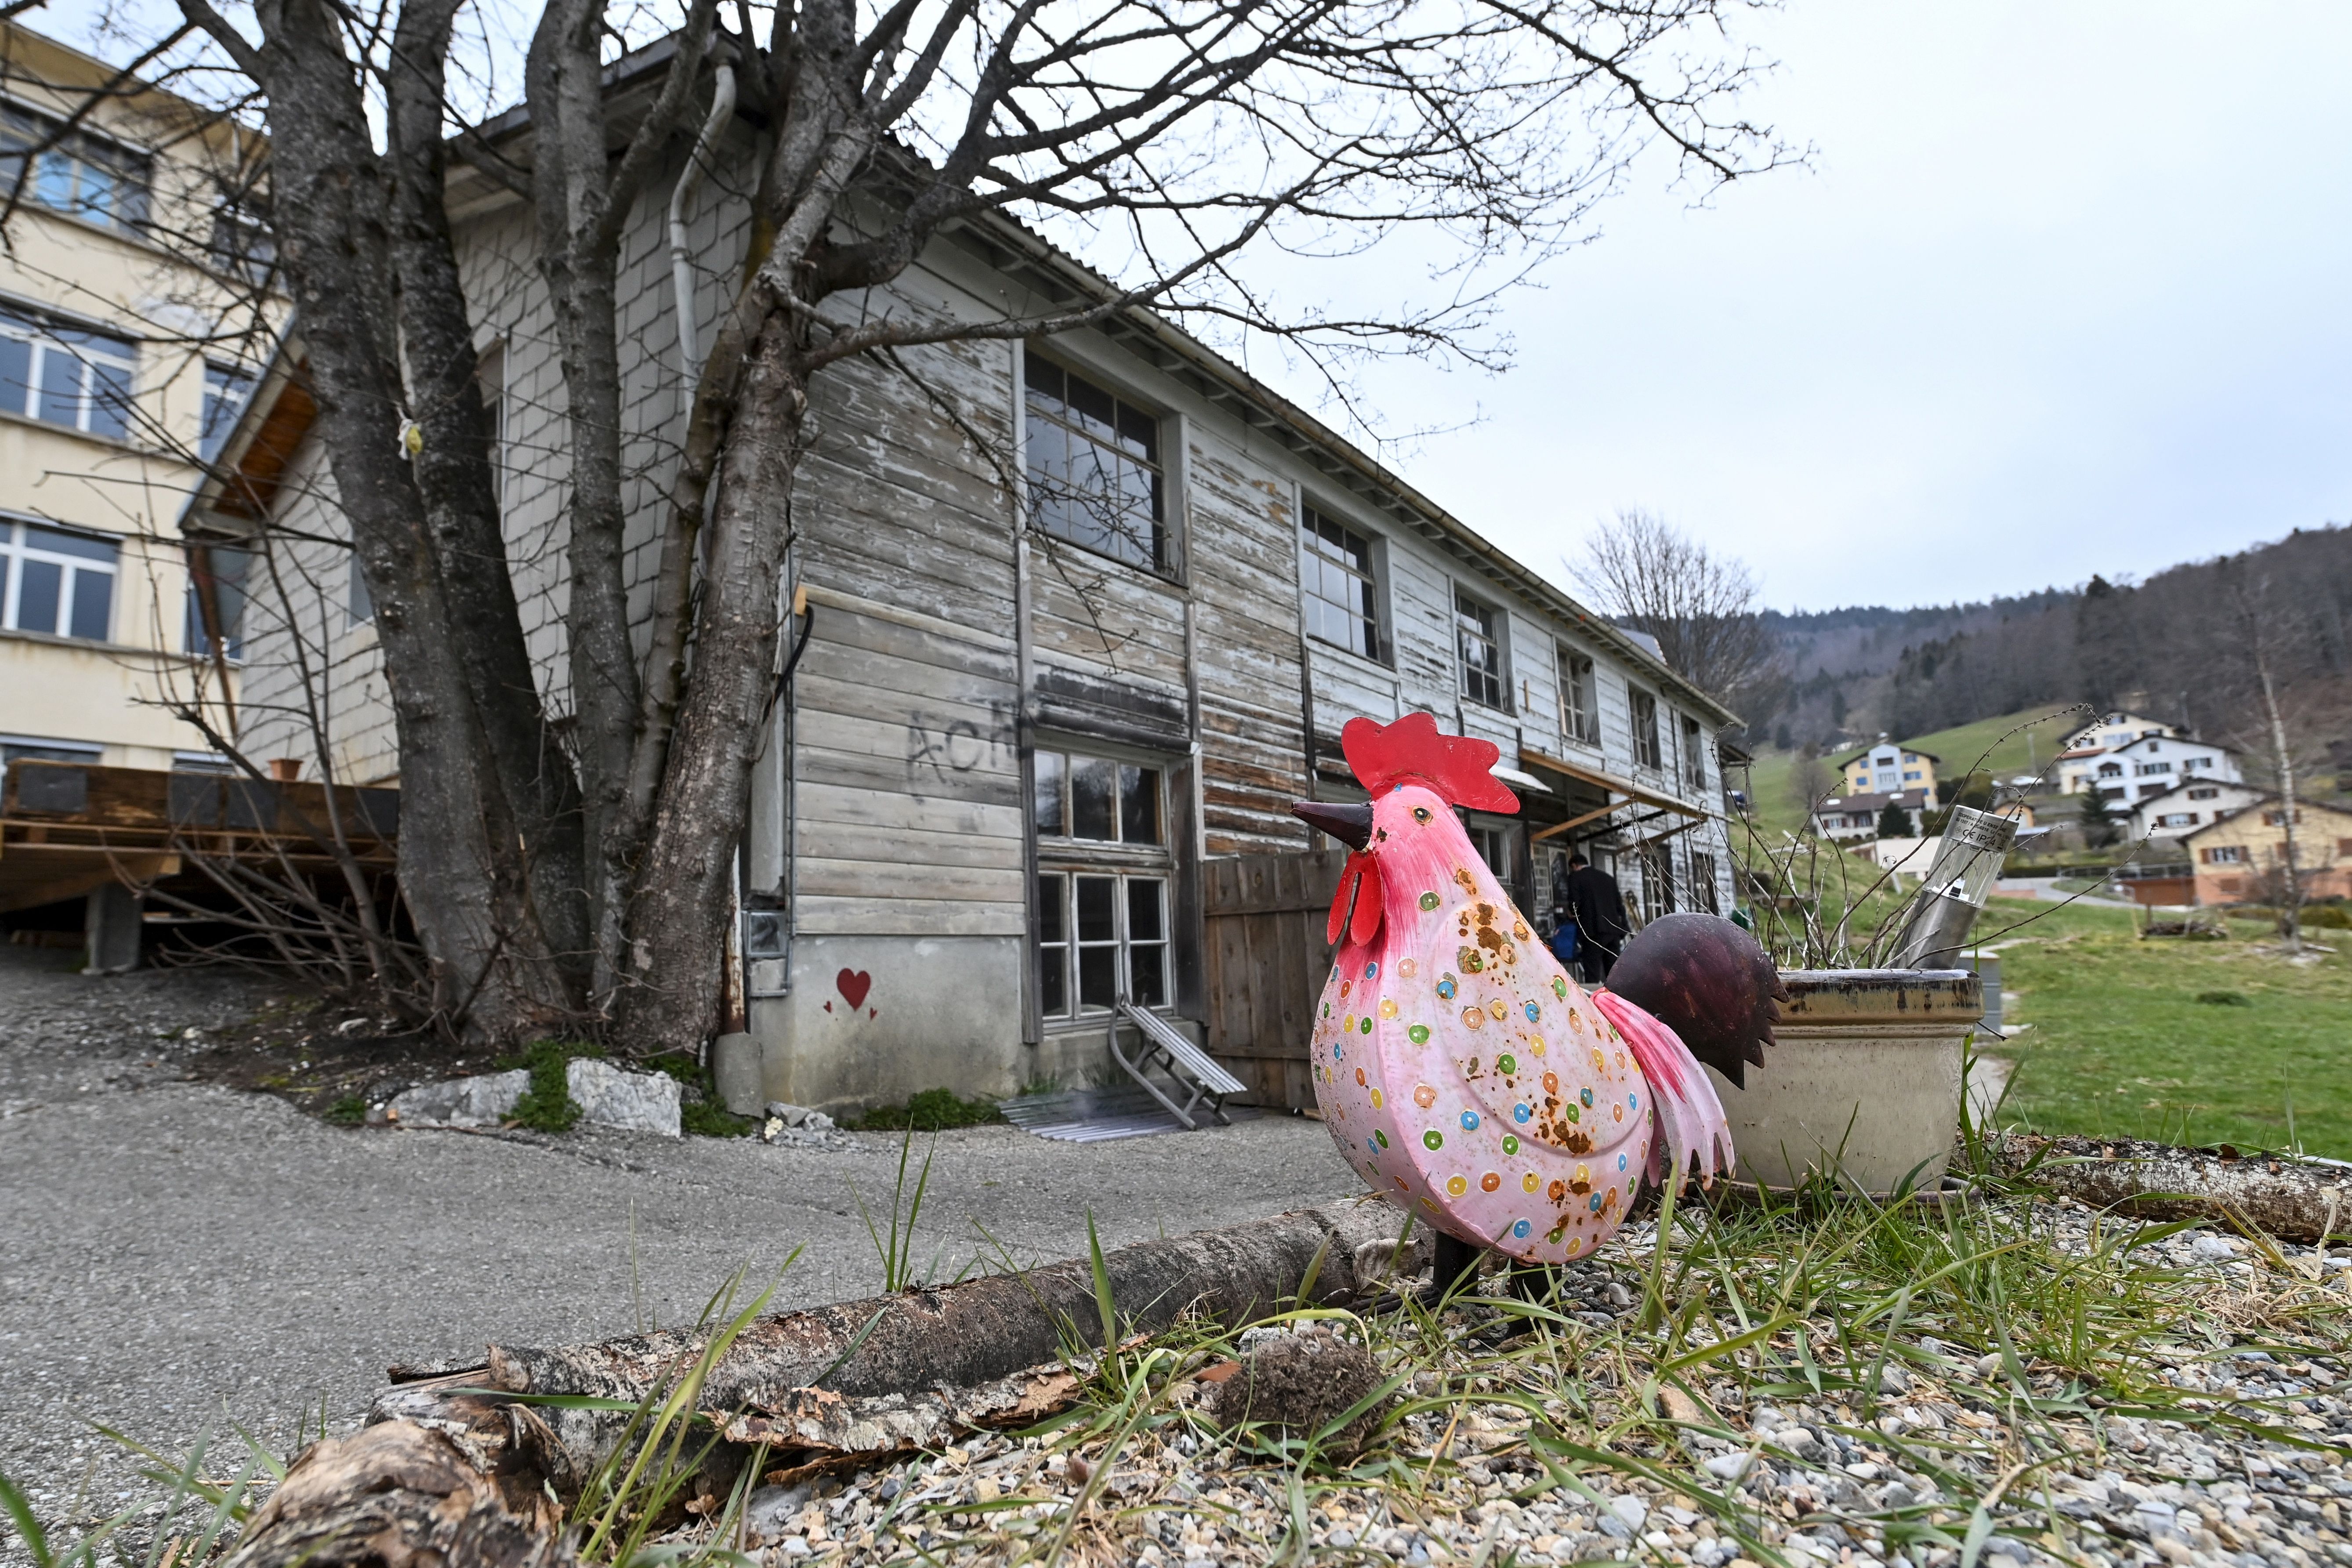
x=1456 y=1264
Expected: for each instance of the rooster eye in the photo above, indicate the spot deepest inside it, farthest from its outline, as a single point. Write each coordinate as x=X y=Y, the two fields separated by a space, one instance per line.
x=1420 y=813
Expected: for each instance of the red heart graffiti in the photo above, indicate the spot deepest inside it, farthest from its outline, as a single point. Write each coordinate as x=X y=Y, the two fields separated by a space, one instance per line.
x=853 y=984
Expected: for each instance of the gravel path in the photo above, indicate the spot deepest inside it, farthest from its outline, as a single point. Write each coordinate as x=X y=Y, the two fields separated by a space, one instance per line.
x=176 y=1255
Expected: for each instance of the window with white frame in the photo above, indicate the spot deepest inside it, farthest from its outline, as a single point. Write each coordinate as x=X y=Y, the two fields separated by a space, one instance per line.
x=1695 y=756
x=241 y=243
x=1101 y=935
x=1580 y=699
x=1644 y=707
x=1480 y=651
x=1335 y=576
x=58 y=583
x=2224 y=855
x=1102 y=883
x=1094 y=466
x=61 y=375
x=75 y=172
x=226 y=393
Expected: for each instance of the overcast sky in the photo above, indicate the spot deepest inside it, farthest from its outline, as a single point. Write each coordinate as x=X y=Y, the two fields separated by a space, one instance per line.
x=2067 y=289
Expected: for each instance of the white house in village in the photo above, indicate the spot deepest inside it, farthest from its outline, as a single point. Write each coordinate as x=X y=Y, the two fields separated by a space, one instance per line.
x=2150 y=765
x=1026 y=768
x=2187 y=806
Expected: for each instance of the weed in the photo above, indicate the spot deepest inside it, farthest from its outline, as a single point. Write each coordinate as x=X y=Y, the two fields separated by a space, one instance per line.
x=547 y=1106
x=706 y=1117
x=933 y=1110
x=349 y=1112
x=2223 y=998
x=897 y=1251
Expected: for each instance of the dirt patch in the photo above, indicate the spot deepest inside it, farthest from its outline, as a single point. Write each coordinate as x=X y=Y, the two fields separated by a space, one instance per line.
x=327 y=1059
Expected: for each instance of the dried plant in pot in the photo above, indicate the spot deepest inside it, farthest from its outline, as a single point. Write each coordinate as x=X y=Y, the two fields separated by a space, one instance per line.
x=1853 y=990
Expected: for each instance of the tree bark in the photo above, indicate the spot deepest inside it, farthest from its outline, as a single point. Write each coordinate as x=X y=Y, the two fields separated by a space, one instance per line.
x=684 y=896
x=458 y=478
x=2295 y=1200
x=459 y=868
x=398 y=1496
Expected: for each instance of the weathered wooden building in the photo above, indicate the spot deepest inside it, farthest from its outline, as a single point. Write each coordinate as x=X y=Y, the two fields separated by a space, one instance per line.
x=1087 y=616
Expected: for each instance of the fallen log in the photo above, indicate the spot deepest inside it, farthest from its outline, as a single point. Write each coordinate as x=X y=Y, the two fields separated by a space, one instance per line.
x=2293 y=1199
x=453 y=1461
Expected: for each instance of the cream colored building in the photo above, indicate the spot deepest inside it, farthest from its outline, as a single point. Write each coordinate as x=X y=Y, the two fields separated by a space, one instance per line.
x=123 y=356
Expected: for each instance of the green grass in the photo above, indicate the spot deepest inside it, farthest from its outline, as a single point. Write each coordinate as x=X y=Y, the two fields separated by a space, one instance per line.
x=2191 y=1042
x=932 y=1111
x=548 y=1106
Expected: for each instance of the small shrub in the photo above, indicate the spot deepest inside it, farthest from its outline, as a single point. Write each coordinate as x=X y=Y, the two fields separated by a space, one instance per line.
x=2331 y=917
x=349 y=1112
x=933 y=1110
x=2223 y=998
x=548 y=1106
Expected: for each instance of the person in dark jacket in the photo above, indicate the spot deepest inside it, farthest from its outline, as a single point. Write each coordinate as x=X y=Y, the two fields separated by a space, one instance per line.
x=1599 y=910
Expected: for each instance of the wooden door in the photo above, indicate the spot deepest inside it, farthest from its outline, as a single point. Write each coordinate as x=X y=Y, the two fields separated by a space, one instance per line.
x=1266 y=961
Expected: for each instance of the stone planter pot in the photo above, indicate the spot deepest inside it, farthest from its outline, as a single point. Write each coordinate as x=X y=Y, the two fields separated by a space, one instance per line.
x=1865 y=1081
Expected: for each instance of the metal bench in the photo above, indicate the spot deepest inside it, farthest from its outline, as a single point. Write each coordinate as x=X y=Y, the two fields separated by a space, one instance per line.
x=1198 y=1078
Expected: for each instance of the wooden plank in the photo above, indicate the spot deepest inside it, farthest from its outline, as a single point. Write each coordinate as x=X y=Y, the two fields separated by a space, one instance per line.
x=821 y=765
x=897 y=845
x=841 y=916
x=816 y=876
x=860 y=807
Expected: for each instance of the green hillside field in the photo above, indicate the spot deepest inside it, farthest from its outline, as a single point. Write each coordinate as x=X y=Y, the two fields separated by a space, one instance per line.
x=2039 y=735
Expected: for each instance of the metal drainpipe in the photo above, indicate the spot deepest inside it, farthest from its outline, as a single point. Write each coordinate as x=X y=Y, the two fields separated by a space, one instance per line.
x=681 y=265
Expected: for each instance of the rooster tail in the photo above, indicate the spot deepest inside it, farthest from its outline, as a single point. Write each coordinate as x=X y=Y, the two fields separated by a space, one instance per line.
x=1690 y=1122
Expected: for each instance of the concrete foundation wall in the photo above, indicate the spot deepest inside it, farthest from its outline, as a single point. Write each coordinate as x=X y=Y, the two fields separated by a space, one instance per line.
x=873 y=1019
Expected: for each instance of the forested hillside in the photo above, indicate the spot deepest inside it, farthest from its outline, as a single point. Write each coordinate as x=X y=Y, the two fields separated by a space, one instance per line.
x=2181 y=644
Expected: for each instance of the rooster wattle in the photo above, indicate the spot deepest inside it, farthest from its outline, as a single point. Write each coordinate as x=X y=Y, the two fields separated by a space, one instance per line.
x=1460 y=1069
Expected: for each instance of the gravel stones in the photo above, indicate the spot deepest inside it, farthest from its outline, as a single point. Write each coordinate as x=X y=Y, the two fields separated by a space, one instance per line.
x=1298 y=1383
x=484 y=1099
x=797 y=1127
x=624 y=1101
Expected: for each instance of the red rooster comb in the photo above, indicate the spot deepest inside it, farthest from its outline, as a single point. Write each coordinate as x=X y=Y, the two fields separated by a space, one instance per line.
x=1411 y=751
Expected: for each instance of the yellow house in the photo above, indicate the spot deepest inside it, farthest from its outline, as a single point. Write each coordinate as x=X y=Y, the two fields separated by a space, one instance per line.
x=127 y=329
x=2239 y=858
x=1886 y=769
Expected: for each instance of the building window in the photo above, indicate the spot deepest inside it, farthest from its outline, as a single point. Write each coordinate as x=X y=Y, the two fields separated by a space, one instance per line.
x=1335 y=569
x=2145 y=769
x=1094 y=466
x=1100 y=936
x=1694 y=754
x=1097 y=799
x=1580 y=700
x=225 y=393
x=59 y=377
x=29 y=749
x=2278 y=818
x=2176 y=819
x=2224 y=855
x=58 y=583
x=2204 y=794
x=2111 y=770
x=80 y=173
x=1645 y=728
x=1481 y=654
x=226 y=569
x=242 y=244
x=1702 y=891
x=1657 y=863
x=1493 y=848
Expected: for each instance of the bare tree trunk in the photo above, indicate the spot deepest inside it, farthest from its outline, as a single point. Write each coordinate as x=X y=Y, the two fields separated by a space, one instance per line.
x=459 y=868
x=583 y=202
x=2255 y=621
x=683 y=900
x=458 y=478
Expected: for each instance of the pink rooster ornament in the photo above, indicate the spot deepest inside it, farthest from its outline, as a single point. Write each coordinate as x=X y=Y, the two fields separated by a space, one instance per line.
x=1461 y=1070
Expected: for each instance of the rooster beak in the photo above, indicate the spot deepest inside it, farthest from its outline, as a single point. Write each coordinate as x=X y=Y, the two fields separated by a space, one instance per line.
x=1350 y=825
